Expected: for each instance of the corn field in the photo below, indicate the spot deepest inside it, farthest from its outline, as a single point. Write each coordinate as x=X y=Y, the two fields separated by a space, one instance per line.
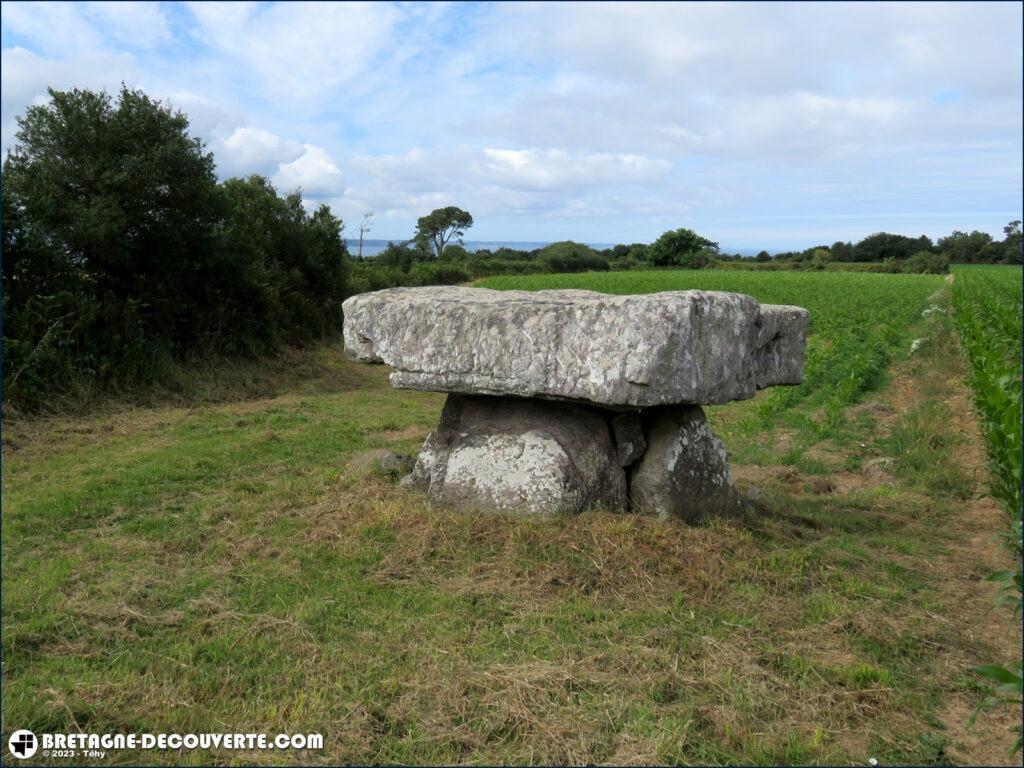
x=987 y=311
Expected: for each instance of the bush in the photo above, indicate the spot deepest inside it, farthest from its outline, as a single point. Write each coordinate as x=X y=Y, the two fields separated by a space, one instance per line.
x=122 y=254
x=682 y=248
x=569 y=256
x=367 y=277
x=626 y=263
x=439 y=273
x=921 y=263
x=398 y=255
x=927 y=263
x=478 y=267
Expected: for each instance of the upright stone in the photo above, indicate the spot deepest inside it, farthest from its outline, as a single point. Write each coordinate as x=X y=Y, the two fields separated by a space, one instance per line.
x=529 y=456
x=685 y=472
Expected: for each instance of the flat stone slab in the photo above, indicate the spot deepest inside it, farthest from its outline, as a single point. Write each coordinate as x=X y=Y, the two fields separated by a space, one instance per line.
x=701 y=347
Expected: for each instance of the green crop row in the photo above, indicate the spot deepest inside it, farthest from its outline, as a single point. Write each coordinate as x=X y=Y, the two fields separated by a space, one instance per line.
x=987 y=312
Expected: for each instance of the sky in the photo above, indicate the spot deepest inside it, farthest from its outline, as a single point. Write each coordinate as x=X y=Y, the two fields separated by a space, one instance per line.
x=759 y=125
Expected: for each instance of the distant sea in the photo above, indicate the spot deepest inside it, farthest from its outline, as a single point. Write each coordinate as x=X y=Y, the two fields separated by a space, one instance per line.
x=373 y=247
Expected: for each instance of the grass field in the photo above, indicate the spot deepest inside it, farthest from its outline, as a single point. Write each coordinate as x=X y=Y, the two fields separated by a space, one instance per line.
x=240 y=563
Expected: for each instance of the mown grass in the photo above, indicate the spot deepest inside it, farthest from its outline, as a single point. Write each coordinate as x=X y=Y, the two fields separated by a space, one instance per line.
x=242 y=565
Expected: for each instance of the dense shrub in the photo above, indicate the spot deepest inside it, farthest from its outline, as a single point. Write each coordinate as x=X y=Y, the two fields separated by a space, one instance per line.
x=626 y=263
x=921 y=263
x=437 y=273
x=682 y=248
x=122 y=254
x=399 y=256
x=883 y=245
x=568 y=256
x=927 y=263
x=286 y=269
x=485 y=267
x=367 y=276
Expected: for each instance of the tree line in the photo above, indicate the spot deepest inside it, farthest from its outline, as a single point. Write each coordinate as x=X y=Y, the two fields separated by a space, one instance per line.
x=417 y=262
x=919 y=253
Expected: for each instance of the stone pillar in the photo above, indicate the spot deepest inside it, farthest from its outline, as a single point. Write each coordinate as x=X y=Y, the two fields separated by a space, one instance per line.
x=528 y=456
x=684 y=474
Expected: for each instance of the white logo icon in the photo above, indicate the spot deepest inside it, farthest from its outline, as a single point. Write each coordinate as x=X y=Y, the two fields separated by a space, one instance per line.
x=23 y=744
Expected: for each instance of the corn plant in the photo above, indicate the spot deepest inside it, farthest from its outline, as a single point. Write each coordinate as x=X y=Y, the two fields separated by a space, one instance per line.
x=987 y=310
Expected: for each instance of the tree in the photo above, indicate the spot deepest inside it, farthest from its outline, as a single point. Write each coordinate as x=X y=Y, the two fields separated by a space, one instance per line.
x=883 y=245
x=364 y=227
x=569 y=256
x=122 y=254
x=763 y=256
x=682 y=248
x=964 y=248
x=926 y=263
x=820 y=257
x=110 y=214
x=842 y=251
x=455 y=252
x=398 y=255
x=442 y=225
x=1013 y=241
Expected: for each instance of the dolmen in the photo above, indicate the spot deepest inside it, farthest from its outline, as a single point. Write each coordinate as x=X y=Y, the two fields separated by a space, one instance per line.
x=564 y=400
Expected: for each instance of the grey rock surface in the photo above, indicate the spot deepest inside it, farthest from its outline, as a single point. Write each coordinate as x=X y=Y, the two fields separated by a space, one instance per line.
x=396 y=464
x=685 y=472
x=628 y=432
x=618 y=351
x=526 y=456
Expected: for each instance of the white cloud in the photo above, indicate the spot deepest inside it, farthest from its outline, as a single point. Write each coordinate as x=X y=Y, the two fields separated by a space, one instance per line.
x=55 y=28
x=253 y=150
x=789 y=82
x=535 y=182
x=297 y=51
x=623 y=118
x=137 y=25
x=314 y=172
x=554 y=168
x=209 y=119
x=70 y=29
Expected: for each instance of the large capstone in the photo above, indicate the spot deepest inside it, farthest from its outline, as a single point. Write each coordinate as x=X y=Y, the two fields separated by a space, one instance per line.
x=620 y=351
x=685 y=473
x=528 y=456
